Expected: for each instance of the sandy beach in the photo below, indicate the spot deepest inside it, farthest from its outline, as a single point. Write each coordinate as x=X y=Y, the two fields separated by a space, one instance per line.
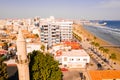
x=105 y=33
x=88 y=34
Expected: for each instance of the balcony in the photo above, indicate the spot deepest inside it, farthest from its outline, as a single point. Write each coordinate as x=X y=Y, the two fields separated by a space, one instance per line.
x=26 y=61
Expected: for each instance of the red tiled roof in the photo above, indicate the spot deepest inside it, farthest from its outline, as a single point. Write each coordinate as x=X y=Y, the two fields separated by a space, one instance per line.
x=73 y=44
x=104 y=74
x=3 y=51
x=59 y=53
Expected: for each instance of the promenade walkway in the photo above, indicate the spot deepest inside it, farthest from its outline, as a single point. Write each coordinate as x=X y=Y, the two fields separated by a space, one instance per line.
x=95 y=58
x=86 y=45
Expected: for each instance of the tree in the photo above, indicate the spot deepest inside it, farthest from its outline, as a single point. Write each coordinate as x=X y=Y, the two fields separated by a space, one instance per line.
x=42 y=48
x=93 y=44
x=44 y=67
x=97 y=45
x=94 y=38
x=36 y=35
x=5 y=46
x=101 y=49
x=77 y=36
x=3 y=70
x=113 y=56
x=106 y=51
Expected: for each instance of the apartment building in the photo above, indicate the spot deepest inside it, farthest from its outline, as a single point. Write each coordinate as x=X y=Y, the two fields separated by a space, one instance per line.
x=65 y=30
x=54 y=31
x=50 y=33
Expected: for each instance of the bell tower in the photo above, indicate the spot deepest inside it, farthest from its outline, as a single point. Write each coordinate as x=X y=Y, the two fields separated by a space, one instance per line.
x=22 y=59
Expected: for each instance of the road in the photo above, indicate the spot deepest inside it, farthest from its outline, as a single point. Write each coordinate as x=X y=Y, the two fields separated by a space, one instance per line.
x=75 y=74
x=96 y=55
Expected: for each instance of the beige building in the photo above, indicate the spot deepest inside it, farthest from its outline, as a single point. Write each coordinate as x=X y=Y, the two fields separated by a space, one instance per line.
x=75 y=58
x=65 y=30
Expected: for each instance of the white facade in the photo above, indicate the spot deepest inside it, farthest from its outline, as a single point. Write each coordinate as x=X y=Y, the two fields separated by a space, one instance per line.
x=36 y=31
x=65 y=30
x=53 y=31
x=75 y=58
x=50 y=34
x=33 y=46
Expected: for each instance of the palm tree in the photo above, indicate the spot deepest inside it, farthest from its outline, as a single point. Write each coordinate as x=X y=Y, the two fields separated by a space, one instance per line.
x=97 y=45
x=93 y=44
x=104 y=51
x=113 y=57
x=101 y=50
x=94 y=38
x=107 y=53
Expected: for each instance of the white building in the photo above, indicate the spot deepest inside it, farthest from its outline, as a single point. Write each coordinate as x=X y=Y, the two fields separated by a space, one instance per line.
x=65 y=30
x=74 y=58
x=36 y=31
x=50 y=34
x=33 y=46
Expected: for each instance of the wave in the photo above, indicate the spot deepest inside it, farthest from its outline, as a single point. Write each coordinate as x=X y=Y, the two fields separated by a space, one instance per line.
x=111 y=30
x=109 y=34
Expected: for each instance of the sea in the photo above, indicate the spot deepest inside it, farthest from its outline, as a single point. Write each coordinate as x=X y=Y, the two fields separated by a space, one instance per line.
x=109 y=32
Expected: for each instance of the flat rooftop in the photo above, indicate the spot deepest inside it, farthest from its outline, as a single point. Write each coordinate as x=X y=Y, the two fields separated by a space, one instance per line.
x=80 y=52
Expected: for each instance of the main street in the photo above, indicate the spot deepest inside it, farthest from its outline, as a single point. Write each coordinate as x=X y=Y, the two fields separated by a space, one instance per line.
x=96 y=56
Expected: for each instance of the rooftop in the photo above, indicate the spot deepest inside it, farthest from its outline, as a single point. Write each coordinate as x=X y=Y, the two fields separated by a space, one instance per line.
x=104 y=74
x=2 y=51
x=73 y=44
x=80 y=52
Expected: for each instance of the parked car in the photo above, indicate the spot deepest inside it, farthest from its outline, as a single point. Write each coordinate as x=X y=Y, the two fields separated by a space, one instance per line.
x=64 y=69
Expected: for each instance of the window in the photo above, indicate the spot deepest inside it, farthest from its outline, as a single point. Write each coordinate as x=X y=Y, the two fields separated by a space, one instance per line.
x=78 y=59
x=65 y=58
x=84 y=59
x=65 y=65
x=71 y=59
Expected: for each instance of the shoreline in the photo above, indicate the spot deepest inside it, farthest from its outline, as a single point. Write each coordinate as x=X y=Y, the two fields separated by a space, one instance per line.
x=111 y=37
x=81 y=30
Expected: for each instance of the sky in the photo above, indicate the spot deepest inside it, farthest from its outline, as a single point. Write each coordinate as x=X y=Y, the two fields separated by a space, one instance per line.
x=69 y=9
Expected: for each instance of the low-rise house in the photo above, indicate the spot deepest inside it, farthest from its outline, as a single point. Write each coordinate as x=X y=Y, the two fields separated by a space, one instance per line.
x=75 y=58
x=70 y=55
x=33 y=46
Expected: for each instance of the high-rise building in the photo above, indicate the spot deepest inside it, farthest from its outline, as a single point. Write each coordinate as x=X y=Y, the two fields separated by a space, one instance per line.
x=65 y=30
x=50 y=33
x=22 y=59
x=53 y=31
